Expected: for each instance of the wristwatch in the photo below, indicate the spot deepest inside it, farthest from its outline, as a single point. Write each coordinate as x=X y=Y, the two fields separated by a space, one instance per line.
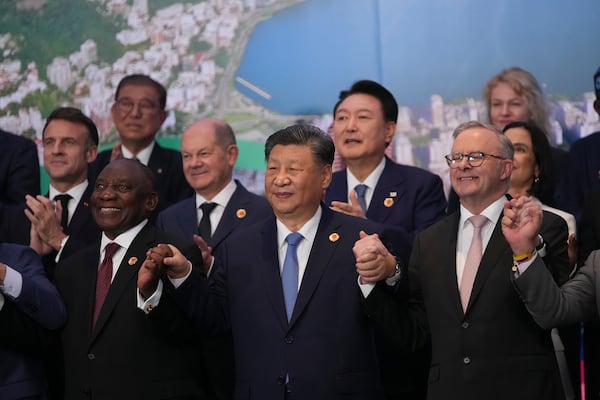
x=541 y=246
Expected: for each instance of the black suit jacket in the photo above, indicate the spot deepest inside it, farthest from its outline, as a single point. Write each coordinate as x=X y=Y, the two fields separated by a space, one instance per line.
x=19 y=175
x=83 y=231
x=494 y=350
x=168 y=173
x=129 y=355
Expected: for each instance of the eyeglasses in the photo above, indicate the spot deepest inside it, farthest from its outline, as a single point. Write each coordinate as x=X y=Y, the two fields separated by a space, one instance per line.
x=125 y=106
x=474 y=159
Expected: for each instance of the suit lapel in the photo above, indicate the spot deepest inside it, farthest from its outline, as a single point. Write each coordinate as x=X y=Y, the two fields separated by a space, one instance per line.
x=269 y=269
x=387 y=193
x=230 y=219
x=133 y=259
x=82 y=213
x=492 y=256
x=318 y=260
x=448 y=257
x=187 y=219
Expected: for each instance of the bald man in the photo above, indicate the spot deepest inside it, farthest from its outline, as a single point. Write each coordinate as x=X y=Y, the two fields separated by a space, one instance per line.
x=220 y=206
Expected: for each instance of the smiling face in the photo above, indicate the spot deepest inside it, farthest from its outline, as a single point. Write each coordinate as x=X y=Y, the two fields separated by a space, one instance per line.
x=507 y=106
x=122 y=197
x=360 y=130
x=525 y=168
x=478 y=187
x=67 y=152
x=294 y=183
x=207 y=165
x=137 y=115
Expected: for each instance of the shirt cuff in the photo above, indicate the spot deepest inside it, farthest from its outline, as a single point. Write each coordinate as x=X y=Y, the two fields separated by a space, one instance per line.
x=365 y=288
x=13 y=283
x=522 y=267
x=179 y=281
x=62 y=246
x=148 y=305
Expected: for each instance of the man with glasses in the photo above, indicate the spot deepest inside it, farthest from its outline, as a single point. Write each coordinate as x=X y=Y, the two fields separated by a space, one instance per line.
x=138 y=113
x=485 y=345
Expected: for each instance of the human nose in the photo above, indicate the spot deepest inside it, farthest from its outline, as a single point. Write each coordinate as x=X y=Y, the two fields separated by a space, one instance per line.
x=136 y=109
x=505 y=109
x=281 y=178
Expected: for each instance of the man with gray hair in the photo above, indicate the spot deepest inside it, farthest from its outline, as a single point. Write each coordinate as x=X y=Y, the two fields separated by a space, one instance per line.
x=485 y=345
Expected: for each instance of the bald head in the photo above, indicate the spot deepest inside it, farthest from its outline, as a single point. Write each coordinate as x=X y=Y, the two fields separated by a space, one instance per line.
x=209 y=152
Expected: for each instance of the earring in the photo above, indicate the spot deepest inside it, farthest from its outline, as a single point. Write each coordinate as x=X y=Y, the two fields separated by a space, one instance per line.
x=536 y=180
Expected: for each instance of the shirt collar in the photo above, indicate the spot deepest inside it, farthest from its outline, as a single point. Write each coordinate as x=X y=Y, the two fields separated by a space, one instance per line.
x=124 y=239
x=371 y=180
x=492 y=212
x=308 y=230
x=222 y=198
x=76 y=192
x=143 y=155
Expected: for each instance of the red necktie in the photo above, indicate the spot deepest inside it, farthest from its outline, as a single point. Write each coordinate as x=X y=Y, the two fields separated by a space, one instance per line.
x=104 y=279
x=472 y=261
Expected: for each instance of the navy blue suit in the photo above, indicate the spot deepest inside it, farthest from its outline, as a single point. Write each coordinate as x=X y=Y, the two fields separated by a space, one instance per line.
x=181 y=219
x=326 y=349
x=417 y=201
x=23 y=319
x=19 y=175
x=168 y=173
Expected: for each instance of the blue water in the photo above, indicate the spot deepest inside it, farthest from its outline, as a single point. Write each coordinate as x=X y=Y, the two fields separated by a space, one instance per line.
x=306 y=54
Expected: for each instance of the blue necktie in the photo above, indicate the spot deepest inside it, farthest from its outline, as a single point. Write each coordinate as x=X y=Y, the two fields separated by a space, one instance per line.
x=361 y=190
x=289 y=275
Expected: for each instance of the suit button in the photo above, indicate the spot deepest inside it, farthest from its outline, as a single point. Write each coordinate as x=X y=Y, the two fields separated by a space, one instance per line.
x=466 y=360
x=465 y=325
x=281 y=380
x=289 y=339
x=91 y=356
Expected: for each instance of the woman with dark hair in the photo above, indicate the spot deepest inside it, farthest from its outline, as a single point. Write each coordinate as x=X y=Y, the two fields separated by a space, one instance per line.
x=533 y=171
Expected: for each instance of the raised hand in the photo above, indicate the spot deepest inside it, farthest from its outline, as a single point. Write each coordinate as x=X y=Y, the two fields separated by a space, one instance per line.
x=44 y=215
x=352 y=208
x=521 y=223
x=152 y=269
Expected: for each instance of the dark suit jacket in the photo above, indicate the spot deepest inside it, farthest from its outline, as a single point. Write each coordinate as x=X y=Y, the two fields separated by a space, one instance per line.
x=493 y=351
x=551 y=306
x=418 y=201
x=19 y=175
x=582 y=174
x=589 y=227
x=168 y=172
x=326 y=348
x=181 y=220
x=83 y=231
x=38 y=307
x=129 y=355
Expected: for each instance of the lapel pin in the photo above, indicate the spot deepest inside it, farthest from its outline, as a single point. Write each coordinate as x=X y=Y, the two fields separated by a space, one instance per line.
x=334 y=237
x=132 y=261
x=241 y=213
x=159 y=171
x=388 y=202
x=85 y=204
x=393 y=194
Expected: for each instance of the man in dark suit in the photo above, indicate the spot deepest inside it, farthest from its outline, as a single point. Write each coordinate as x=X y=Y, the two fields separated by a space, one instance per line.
x=113 y=347
x=583 y=173
x=288 y=286
x=209 y=153
x=62 y=222
x=19 y=176
x=404 y=199
x=138 y=113
x=29 y=303
x=485 y=345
